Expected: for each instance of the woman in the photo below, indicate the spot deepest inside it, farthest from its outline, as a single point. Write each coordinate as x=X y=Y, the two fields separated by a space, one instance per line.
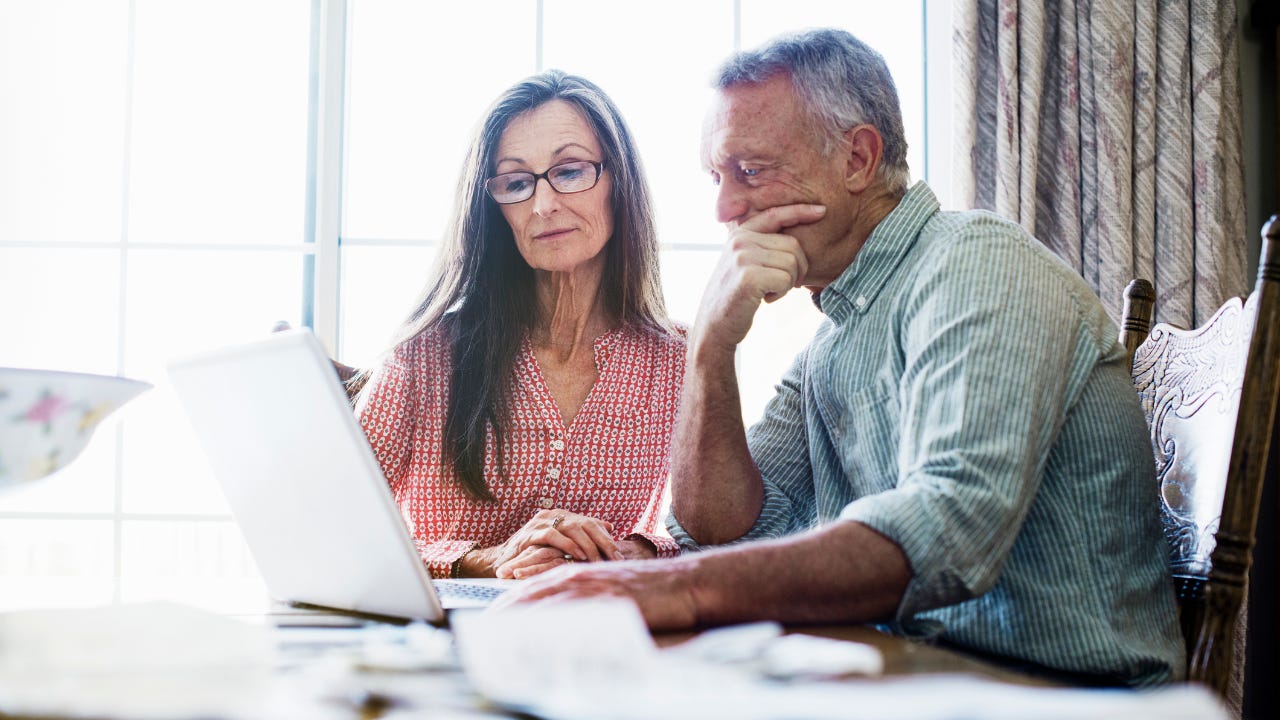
x=524 y=417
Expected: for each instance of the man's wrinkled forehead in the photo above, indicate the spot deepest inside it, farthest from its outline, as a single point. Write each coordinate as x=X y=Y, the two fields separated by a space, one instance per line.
x=753 y=118
x=713 y=127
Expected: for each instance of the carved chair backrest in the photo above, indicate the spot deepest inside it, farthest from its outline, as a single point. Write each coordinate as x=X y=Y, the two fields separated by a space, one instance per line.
x=1210 y=398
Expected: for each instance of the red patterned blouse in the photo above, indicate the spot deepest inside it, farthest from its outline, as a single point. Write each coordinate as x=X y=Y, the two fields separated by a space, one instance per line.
x=611 y=463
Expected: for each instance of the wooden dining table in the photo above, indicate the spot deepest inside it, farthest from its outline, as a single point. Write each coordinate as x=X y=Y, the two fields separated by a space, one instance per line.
x=902 y=657
x=331 y=666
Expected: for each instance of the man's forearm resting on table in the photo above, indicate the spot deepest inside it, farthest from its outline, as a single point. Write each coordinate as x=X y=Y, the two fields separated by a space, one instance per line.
x=845 y=572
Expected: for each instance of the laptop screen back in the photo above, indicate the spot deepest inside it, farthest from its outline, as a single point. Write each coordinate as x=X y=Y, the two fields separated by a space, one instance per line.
x=301 y=479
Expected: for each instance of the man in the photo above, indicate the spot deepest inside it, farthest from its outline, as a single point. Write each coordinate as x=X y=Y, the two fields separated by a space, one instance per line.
x=959 y=451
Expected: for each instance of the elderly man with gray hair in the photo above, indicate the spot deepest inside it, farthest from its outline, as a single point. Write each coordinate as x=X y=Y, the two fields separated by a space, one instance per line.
x=958 y=453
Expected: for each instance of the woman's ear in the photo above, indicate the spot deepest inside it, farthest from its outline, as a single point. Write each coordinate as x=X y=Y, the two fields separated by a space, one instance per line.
x=864 y=148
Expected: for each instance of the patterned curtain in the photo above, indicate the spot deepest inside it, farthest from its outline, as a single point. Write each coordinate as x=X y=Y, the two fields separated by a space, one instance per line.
x=1112 y=132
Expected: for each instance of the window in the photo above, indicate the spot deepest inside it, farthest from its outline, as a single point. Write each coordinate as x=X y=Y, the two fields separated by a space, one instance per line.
x=153 y=166
x=173 y=177
x=403 y=149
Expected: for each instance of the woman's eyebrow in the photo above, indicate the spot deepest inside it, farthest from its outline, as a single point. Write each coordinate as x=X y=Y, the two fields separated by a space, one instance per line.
x=555 y=153
x=560 y=150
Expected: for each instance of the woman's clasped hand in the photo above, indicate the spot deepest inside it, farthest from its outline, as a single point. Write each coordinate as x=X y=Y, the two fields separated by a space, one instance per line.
x=550 y=539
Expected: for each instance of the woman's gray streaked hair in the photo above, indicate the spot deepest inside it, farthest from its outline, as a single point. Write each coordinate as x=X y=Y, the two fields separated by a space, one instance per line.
x=843 y=81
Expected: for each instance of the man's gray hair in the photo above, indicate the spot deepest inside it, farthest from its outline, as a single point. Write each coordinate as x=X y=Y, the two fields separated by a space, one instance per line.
x=842 y=80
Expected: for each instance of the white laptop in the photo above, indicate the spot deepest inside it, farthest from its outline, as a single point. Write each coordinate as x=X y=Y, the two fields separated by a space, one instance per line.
x=303 y=484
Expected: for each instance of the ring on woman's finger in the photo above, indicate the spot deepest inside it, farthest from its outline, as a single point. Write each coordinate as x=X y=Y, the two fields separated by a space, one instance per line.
x=556 y=523
x=569 y=558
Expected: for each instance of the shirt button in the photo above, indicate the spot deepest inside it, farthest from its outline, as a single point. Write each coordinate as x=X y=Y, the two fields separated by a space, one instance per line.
x=861 y=302
x=557 y=444
x=546 y=503
x=553 y=472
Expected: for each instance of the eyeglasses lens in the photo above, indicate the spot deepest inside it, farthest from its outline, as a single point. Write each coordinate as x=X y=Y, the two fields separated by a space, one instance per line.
x=570 y=177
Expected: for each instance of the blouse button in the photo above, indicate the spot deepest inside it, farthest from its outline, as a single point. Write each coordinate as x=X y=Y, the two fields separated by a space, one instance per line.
x=557 y=444
x=546 y=503
x=553 y=473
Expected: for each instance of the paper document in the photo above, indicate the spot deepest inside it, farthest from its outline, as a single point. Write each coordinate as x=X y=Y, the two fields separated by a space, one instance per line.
x=595 y=659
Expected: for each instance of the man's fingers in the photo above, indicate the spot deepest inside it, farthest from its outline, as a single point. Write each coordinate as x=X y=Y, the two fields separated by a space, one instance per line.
x=777 y=219
x=549 y=585
x=802 y=268
x=767 y=282
x=777 y=252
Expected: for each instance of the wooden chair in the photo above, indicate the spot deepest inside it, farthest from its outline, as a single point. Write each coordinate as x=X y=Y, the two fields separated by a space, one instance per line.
x=1139 y=308
x=1210 y=398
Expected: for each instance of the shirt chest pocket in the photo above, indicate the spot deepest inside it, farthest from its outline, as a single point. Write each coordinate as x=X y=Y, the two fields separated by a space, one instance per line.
x=863 y=428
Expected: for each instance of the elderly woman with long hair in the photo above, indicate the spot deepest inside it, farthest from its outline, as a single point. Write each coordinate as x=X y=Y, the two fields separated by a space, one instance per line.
x=523 y=418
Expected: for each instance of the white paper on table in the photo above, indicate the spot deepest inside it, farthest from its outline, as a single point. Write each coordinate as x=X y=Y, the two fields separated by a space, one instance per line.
x=595 y=660
x=556 y=653
x=146 y=660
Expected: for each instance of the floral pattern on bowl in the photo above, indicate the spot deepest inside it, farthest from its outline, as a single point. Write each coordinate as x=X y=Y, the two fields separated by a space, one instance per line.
x=48 y=416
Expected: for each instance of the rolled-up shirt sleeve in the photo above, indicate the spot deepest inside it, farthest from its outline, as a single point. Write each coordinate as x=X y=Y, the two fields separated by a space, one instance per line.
x=440 y=556
x=988 y=350
x=665 y=545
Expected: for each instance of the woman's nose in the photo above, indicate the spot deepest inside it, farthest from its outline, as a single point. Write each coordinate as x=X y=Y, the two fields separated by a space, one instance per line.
x=545 y=198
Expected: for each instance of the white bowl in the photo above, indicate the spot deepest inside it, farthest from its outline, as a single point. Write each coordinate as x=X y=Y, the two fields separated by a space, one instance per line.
x=48 y=416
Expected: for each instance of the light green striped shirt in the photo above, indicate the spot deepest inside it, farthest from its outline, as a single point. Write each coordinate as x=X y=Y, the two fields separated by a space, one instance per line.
x=968 y=399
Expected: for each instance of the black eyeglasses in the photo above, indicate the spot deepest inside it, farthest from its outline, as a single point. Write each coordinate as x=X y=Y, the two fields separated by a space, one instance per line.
x=565 y=178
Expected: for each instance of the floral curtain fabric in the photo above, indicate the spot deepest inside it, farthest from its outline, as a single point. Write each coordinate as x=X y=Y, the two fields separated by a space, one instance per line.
x=1112 y=132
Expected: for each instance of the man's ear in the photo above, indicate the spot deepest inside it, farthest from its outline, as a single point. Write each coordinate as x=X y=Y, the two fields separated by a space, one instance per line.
x=865 y=148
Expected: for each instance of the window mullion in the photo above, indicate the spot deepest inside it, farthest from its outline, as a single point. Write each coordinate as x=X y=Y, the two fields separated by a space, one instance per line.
x=938 y=67
x=327 y=157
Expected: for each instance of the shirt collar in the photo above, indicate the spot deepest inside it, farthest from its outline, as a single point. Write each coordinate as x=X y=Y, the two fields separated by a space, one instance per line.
x=857 y=287
x=604 y=346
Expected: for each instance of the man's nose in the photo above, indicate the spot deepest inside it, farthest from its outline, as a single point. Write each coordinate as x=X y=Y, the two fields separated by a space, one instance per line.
x=545 y=198
x=731 y=206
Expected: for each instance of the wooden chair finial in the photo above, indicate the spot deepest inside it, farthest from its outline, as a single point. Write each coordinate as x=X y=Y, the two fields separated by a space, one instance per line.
x=1139 y=304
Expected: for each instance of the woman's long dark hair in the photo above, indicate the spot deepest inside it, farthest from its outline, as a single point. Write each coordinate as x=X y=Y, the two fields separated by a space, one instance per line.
x=482 y=291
